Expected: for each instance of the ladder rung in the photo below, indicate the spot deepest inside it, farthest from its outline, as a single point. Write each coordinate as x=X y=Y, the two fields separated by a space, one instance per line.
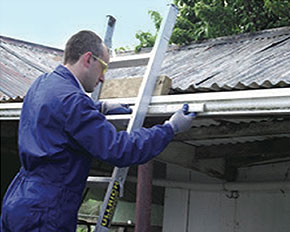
x=99 y=179
x=129 y=61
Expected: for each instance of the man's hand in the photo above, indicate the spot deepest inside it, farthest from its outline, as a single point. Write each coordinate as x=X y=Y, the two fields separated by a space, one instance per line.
x=115 y=108
x=181 y=120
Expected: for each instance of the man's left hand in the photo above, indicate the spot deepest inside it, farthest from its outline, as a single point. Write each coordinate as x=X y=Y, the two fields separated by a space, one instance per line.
x=115 y=108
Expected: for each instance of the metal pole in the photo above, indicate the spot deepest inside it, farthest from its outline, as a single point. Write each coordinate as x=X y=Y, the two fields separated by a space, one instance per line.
x=144 y=197
x=272 y=186
x=108 y=42
x=109 y=31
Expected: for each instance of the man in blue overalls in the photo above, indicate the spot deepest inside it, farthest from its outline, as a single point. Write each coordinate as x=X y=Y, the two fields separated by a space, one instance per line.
x=61 y=129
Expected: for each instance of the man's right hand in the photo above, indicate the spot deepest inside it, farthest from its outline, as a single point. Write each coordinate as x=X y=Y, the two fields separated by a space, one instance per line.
x=182 y=120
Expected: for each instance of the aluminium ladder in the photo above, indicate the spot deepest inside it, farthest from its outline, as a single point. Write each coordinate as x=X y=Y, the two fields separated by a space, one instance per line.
x=116 y=182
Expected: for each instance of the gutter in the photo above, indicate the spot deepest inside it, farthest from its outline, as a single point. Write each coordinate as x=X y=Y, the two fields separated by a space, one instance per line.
x=246 y=103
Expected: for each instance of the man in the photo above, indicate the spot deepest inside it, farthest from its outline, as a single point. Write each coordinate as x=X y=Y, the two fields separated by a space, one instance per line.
x=61 y=129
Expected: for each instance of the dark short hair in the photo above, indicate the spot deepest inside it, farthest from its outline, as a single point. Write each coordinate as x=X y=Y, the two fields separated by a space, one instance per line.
x=80 y=43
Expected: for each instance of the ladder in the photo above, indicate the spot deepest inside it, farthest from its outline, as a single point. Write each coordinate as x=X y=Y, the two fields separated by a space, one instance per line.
x=117 y=180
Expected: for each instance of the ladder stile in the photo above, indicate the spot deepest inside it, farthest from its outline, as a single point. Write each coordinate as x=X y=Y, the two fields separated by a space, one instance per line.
x=115 y=188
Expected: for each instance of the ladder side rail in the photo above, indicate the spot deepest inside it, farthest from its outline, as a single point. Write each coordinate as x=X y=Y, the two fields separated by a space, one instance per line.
x=115 y=187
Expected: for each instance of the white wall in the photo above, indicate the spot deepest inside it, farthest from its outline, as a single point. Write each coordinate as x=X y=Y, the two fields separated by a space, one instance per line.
x=250 y=212
x=176 y=202
x=197 y=211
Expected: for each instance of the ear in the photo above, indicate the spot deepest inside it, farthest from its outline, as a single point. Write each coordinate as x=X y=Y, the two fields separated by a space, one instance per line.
x=86 y=59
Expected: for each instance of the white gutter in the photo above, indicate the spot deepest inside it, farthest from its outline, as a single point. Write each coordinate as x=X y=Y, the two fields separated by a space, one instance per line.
x=10 y=111
x=233 y=103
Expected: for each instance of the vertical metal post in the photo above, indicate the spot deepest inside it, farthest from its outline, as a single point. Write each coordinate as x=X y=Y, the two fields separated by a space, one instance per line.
x=109 y=31
x=108 y=42
x=115 y=187
x=144 y=197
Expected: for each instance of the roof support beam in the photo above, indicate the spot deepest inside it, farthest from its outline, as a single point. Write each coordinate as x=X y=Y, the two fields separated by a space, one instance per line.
x=214 y=187
x=274 y=148
x=182 y=154
x=229 y=130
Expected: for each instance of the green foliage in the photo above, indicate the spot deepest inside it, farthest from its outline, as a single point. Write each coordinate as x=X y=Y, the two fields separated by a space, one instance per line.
x=122 y=49
x=280 y=8
x=217 y=18
x=82 y=228
x=147 y=39
x=203 y=19
x=90 y=207
x=156 y=17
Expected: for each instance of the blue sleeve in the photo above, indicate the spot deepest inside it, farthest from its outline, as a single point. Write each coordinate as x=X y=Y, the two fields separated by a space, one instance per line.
x=90 y=129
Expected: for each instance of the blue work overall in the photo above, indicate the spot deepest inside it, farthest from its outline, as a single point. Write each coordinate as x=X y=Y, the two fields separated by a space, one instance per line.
x=61 y=129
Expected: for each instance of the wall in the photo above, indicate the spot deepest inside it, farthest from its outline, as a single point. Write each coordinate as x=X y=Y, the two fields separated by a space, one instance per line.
x=10 y=163
x=263 y=211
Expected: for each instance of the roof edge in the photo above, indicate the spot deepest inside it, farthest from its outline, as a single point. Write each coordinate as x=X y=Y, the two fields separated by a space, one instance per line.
x=279 y=31
x=9 y=39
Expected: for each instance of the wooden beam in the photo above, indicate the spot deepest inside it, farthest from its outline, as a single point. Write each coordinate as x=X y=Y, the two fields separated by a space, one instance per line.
x=129 y=87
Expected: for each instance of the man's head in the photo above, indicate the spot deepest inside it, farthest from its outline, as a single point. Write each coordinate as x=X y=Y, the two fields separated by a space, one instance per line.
x=87 y=57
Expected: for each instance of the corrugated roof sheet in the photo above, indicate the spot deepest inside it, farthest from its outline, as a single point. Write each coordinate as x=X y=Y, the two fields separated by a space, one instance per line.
x=246 y=61
x=245 y=139
x=21 y=63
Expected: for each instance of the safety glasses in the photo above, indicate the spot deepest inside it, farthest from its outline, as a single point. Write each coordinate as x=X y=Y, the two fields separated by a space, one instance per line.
x=102 y=62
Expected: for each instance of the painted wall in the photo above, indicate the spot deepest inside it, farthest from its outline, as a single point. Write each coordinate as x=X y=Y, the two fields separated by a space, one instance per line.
x=195 y=211
x=264 y=212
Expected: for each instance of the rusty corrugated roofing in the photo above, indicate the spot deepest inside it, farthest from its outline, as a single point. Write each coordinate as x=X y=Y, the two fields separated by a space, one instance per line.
x=21 y=63
x=246 y=61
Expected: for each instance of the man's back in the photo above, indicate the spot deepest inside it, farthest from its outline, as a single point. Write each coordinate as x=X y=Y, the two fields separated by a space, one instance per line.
x=44 y=145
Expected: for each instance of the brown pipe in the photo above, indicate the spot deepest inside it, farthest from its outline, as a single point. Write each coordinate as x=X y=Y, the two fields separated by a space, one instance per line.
x=144 y=197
